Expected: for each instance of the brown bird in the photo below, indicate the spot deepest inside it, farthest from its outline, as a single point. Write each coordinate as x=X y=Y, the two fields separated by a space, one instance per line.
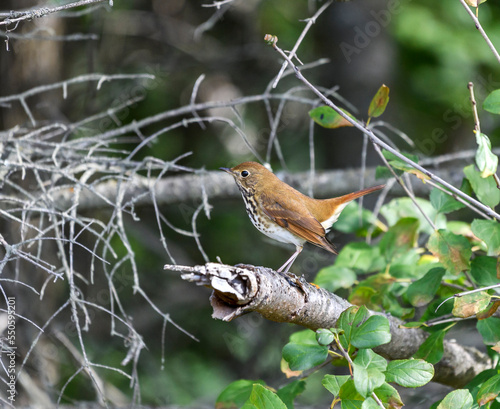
x=283 y=213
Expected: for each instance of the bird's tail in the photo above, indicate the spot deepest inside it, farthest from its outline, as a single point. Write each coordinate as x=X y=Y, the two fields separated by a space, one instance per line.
x=354 y=195
x=337 y=204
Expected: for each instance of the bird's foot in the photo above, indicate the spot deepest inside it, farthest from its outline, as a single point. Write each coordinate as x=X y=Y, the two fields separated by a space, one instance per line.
x=295 y=281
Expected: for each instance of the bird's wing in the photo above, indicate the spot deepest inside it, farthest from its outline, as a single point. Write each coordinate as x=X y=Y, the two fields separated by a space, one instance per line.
x=299 y=222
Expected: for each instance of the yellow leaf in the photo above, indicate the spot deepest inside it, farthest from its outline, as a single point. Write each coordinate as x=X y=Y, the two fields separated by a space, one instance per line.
x=287 y=371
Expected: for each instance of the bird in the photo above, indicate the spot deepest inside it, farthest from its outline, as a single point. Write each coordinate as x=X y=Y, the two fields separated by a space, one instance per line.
x=286 y=215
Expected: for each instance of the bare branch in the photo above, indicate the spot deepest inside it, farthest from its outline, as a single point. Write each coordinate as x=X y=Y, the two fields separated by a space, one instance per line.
x=16 y=17
x=481 y=30
x=292 y=54
x=188 y=188
x=382 y=144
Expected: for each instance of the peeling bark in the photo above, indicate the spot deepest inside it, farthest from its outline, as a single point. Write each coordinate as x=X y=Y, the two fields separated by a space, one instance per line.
x=240 y=289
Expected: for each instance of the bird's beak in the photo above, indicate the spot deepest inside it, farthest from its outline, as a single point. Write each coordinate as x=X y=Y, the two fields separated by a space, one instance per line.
x=227 y=170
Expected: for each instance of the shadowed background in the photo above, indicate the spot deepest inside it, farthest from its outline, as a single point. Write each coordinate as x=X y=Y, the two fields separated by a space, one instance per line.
x=426 y=52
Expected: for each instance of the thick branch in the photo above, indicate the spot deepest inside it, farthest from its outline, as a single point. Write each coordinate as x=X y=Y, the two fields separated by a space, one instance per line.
x=242 y=289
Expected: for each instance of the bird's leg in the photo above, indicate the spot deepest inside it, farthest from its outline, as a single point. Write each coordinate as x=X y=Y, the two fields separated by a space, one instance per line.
x=290 y=261
x=291 y=278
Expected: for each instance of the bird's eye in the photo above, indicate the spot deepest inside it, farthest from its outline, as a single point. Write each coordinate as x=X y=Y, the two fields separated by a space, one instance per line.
x=244 y=173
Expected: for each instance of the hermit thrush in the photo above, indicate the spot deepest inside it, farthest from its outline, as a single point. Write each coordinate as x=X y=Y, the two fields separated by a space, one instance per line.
x=283 y=213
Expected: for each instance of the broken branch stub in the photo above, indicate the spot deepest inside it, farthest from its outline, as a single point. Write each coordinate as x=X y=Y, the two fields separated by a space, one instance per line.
x=240 y=289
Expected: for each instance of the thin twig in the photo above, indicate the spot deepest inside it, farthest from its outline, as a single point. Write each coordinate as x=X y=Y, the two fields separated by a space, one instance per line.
x=351 y=365
x=477 y=125
x=476 y=290
x=312 y=159
x=481 y=30
x=291 y=54
x=384 y=145
x=42 y=12
x=193 y=98
x=405 y=188
x=217 y=4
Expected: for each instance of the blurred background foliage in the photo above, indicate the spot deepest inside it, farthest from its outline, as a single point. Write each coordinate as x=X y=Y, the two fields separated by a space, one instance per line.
x=425 y=51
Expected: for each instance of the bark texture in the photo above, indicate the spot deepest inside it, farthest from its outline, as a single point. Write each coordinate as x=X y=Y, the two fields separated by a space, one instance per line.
x=240 y=289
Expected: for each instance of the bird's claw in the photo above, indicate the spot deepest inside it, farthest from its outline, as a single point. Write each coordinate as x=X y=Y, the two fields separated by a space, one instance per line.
x=295 y=281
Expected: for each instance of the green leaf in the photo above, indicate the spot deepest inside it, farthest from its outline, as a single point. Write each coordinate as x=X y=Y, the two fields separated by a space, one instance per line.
x=362 y=295
x=366 y=380
x=305 y=336
x=236 y=394
x=406 y=266
x=432 y=348
x=327 y=117
x=388 y=394
x=263 y=398
x=303 y=351
x=458 y=399
x=470 y=304
x=489 y=232
x=369 y=359
x=359 y=318
x=396 y=161
x=382 y=172
x=486 y=189
x=351 y=398
x=349 y=220
x=453 y=251
x=443 y=202
x=368 y=370
x=304 y=356
x=289 y=392
x=359 y=256
x=410 y=373
x=379 y=102
x=399 y=238
x=489 y=391
x=334 y=382
x=324 y=336
x=478 y=381
x=333 y=277
x=390 y=303
x=486 y=161
x=421 y=292
x=345 y=323
x=484 y=271
x=396 y=209
x=489 y=330
x=370 y=403
x=373 y=332
x=400 y=165
x=492 y=101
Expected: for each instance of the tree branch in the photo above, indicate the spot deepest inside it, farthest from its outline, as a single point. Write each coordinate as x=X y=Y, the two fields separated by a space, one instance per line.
x=238 y=290
x=188 y=188
x=481 y=30
x=17 y=16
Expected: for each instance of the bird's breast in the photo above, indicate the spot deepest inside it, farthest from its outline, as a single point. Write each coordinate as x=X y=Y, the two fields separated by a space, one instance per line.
x=266 y=225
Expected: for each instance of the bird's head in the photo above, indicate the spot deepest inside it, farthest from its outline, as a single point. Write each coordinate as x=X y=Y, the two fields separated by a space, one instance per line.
x=248 y=175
